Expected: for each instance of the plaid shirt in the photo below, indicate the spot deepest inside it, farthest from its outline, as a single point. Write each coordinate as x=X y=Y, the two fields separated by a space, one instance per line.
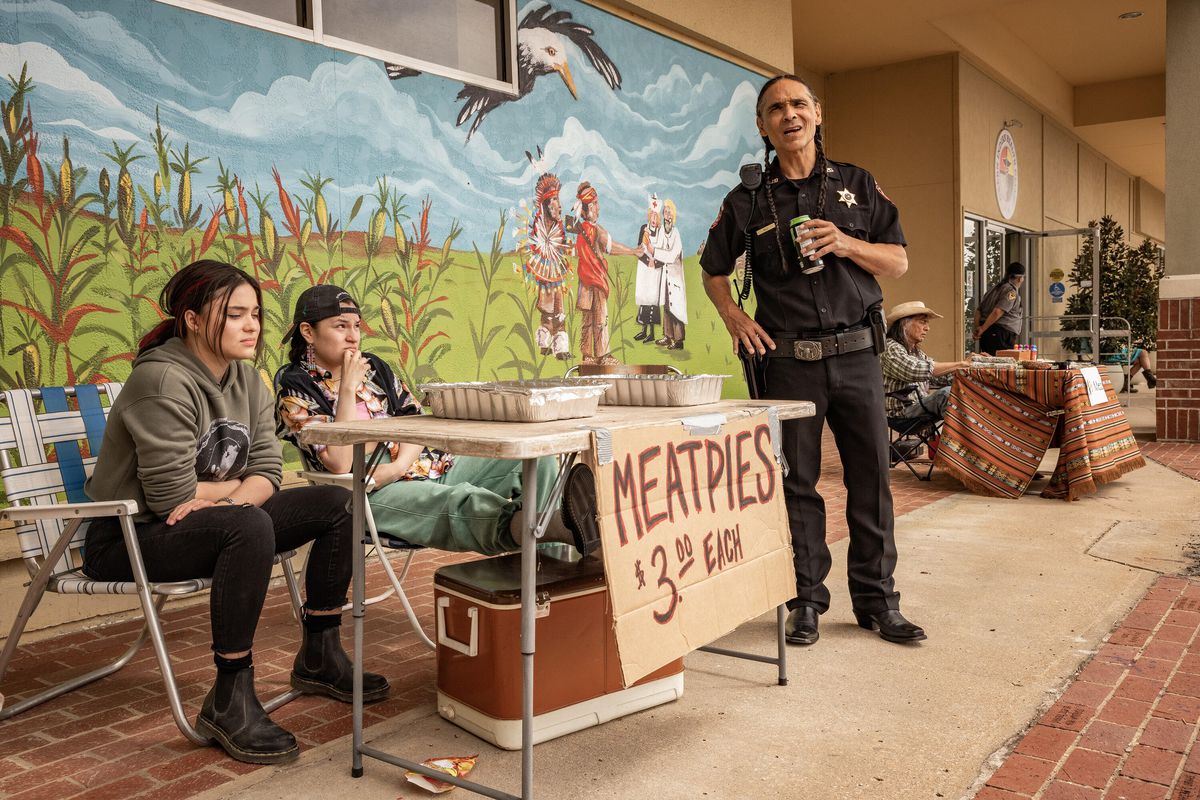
x=902 y=368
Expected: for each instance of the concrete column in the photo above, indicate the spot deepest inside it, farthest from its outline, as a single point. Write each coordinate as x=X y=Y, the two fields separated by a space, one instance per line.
x=1178 y=398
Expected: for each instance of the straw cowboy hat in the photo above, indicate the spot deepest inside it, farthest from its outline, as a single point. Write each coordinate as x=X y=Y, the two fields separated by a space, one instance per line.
x=911 y=309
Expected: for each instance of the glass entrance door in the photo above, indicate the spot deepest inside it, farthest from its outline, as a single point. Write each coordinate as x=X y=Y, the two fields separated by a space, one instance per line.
x=988 y=248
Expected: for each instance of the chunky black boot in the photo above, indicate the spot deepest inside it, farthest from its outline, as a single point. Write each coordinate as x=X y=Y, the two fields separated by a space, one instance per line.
x=322 y=666
x=1151 y=380
x=233 y=718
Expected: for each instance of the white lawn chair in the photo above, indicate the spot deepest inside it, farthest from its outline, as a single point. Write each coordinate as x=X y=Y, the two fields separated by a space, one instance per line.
x=42 y=463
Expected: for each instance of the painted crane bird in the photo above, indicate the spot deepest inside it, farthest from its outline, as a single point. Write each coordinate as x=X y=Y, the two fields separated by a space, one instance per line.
x=540 y=51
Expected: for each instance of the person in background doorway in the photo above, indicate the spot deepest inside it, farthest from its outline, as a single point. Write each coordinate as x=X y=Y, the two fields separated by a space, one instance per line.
x=1000 y=314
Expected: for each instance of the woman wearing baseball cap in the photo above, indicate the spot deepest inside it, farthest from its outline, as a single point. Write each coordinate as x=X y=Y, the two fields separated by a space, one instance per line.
x=421 y=495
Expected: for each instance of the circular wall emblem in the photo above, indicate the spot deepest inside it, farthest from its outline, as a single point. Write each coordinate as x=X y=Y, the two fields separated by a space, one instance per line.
x=1006 y=173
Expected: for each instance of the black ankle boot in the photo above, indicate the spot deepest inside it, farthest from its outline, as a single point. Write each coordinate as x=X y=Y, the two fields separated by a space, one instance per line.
x=322 y=667
x=1151 y=380
x=233 y=718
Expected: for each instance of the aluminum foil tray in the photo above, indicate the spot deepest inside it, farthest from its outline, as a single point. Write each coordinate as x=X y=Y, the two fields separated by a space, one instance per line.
x=658 y=390
x=514 y=401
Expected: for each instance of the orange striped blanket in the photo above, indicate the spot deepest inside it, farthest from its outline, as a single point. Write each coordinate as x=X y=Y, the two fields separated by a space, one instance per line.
x=999 y=423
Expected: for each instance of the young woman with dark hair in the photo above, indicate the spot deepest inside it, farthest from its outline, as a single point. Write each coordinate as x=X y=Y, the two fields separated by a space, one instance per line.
x=191 y=438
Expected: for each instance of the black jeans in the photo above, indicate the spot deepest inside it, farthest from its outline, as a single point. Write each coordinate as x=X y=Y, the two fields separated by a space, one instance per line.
x=848 y=393
x=997 y=338
x=235 y=546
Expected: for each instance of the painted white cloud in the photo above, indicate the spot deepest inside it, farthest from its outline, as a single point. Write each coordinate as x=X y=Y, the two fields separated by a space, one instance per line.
x=118 y=134
x=733 y=131
x=51 y=69
x=96 y=26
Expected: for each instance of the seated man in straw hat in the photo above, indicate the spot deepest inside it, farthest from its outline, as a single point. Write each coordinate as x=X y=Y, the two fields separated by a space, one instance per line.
x=906 y=364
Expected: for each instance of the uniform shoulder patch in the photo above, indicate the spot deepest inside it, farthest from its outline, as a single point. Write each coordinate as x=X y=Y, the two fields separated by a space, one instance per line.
x=1012 y=295
x=720 y=213
x=879 y=189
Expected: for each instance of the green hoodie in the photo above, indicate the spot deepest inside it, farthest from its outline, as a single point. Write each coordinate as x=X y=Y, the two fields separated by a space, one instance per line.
x=173 y=425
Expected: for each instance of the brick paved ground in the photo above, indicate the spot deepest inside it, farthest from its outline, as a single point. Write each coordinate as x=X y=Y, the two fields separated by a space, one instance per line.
x=1125 y=729
x=1182 y=457
x=116 y=739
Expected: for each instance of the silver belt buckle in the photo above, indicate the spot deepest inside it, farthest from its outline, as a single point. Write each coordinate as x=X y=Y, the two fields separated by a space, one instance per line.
x=806 y=350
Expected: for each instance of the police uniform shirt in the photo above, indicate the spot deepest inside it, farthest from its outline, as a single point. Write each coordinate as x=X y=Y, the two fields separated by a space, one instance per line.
x=789 y=301
x=1006 y=297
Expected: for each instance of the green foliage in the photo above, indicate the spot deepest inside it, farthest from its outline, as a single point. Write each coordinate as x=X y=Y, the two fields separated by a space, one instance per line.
x=1129 y=278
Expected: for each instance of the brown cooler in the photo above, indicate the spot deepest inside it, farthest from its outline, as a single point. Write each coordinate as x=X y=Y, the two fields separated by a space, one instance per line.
x=577 y=673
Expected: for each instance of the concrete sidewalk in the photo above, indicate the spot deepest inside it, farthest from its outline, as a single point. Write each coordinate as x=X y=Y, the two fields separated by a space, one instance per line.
x=1016 y=595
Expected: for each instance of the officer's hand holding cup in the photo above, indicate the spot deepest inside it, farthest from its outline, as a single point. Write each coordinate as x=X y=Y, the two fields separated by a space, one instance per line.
x=805 y=245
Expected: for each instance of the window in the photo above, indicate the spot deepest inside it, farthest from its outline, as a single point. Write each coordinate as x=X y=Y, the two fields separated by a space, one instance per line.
x=468 y=40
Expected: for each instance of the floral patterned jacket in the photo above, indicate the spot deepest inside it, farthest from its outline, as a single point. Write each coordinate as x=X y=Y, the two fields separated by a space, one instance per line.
x=305 y=396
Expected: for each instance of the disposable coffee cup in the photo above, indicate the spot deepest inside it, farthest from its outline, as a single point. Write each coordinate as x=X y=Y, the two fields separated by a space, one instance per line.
x=808 y=266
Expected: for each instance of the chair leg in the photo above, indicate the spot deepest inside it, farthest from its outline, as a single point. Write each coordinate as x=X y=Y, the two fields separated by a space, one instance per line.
x=396 y=581
x=33 y=598
x=293 y=586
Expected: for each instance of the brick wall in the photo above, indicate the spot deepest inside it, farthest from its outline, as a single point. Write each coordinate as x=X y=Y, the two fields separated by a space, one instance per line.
x=1178 y=396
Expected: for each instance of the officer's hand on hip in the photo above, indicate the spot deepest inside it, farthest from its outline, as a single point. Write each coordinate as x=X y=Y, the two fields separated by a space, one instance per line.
x=746 y=333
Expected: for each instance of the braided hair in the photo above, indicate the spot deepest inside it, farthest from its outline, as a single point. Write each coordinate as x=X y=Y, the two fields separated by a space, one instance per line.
x=820 y=167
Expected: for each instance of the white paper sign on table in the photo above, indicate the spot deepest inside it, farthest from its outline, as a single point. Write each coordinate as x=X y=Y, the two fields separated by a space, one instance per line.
x=1095 y=385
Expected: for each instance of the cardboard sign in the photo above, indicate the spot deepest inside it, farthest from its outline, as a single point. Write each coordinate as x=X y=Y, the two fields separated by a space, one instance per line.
x=695 y=536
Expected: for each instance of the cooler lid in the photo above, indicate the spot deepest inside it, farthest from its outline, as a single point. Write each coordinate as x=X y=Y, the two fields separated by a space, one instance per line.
x=498 y=580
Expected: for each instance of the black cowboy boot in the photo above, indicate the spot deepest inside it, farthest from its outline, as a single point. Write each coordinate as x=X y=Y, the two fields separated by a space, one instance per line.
x=640 y=335
x=322 y=666
x=649 y=335
x=233 y=718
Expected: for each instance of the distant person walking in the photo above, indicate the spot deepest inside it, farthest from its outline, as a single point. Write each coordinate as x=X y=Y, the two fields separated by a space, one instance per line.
x=1001 y=312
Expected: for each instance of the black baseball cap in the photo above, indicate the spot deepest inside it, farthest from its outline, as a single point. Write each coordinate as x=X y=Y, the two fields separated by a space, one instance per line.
x=321 y=302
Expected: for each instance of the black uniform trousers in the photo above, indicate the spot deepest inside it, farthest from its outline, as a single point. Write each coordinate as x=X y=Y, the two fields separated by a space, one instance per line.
x=997 y=338
x=848 y=393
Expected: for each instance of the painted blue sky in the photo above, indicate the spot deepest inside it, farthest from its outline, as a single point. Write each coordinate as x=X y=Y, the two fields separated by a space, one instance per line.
x=680 y=125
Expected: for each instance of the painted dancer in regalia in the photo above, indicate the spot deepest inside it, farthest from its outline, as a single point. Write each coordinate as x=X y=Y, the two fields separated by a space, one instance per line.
x=544 y=249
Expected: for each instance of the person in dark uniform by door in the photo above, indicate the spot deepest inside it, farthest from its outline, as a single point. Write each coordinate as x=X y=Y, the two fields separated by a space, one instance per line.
x=1001 y=312
x=819 y=334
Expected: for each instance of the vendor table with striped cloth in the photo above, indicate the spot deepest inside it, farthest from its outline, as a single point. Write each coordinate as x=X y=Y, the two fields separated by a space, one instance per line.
x=1001 y=420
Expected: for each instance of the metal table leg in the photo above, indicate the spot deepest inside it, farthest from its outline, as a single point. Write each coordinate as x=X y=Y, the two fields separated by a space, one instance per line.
x=780 y=660
x=357 y=508
x=529 y=533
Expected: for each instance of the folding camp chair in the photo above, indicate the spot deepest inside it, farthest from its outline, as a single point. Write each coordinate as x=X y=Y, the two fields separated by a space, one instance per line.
x=46 y=456
x=383 y=544
x=907 y=435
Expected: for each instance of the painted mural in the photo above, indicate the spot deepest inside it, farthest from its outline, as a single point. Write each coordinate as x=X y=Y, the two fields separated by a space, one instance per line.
x=486 y=236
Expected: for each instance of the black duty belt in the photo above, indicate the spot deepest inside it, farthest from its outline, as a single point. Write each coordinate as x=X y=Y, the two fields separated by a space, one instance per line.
x=816 y=347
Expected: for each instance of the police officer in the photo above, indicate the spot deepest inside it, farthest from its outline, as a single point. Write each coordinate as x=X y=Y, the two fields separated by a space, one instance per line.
x=815 y=332
x=1002 y=312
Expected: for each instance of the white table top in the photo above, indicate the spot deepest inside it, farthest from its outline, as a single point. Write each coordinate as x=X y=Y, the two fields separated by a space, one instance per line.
x=529 y=439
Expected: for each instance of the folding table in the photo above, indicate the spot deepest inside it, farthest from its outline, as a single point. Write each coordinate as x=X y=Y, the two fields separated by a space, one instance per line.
x=518 y=441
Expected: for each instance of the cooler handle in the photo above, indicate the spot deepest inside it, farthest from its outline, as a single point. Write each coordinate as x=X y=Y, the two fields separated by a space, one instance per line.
x=471 y=649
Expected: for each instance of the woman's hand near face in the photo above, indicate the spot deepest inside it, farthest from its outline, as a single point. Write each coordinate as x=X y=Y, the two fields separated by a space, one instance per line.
x=354 y=370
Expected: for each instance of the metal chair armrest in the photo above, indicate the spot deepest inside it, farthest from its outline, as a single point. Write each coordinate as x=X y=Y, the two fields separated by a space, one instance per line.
x=109 y=508
x=343 y=479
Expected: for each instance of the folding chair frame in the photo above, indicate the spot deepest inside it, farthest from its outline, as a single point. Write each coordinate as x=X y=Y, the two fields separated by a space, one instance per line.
x=346 y=480
x=42 y=506
x=923 y=428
